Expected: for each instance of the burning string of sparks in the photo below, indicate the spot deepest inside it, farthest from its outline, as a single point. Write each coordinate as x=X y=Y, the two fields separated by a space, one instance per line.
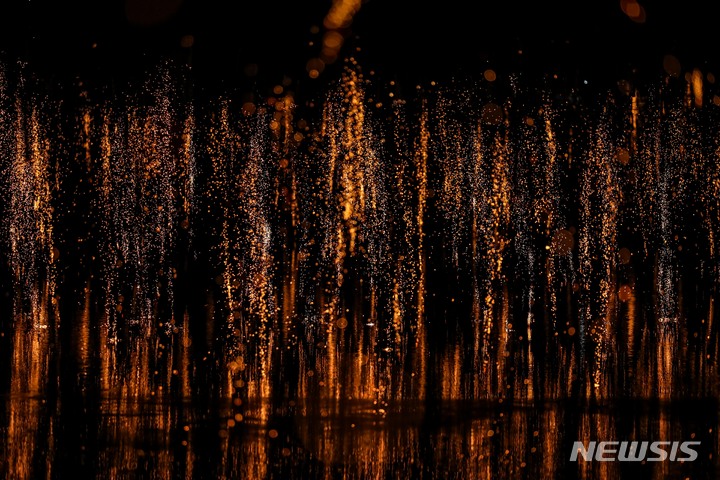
x=490 y=234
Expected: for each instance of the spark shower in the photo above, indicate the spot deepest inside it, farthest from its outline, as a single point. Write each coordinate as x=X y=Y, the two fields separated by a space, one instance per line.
x=373 y=258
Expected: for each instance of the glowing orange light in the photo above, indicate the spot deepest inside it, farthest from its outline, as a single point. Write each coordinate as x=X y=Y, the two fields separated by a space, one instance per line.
x=248 y=108
x=671 y=65
x=187 y=41
x=625 y=293
x=492 y=114
x=332 y=40
x=314 y=67
x=697 y=86
x=623 y=156
x=634 y=10
x=341 y=13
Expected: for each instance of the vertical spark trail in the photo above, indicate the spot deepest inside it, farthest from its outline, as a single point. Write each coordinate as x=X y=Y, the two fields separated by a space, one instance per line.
x=537 y=210
x=492 y=220
x=559 y=260
x=676 y=156
x=243 y=161
x=258 y=291
x=449 y=146
x=223 y=151
x=420 y=281
x=29 y=209
x=158 y=189
x=188 y=172
x=408 y=283
x=601 y=198
x=354 y=217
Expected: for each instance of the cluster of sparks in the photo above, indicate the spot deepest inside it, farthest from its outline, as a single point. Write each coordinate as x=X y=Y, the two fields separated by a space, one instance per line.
x=487 y=234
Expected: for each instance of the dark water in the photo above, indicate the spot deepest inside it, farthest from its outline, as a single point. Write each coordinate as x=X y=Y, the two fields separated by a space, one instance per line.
x=110 y=437
x=457 y=284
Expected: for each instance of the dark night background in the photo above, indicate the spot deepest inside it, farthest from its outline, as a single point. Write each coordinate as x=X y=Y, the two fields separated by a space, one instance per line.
x=104 y=41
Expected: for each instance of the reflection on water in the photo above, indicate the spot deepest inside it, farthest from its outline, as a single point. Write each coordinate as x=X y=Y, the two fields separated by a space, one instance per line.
x=443 y=286
x=160 y=438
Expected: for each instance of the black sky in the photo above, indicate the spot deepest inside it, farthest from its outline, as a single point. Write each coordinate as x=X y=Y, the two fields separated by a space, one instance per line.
x=413 y=40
